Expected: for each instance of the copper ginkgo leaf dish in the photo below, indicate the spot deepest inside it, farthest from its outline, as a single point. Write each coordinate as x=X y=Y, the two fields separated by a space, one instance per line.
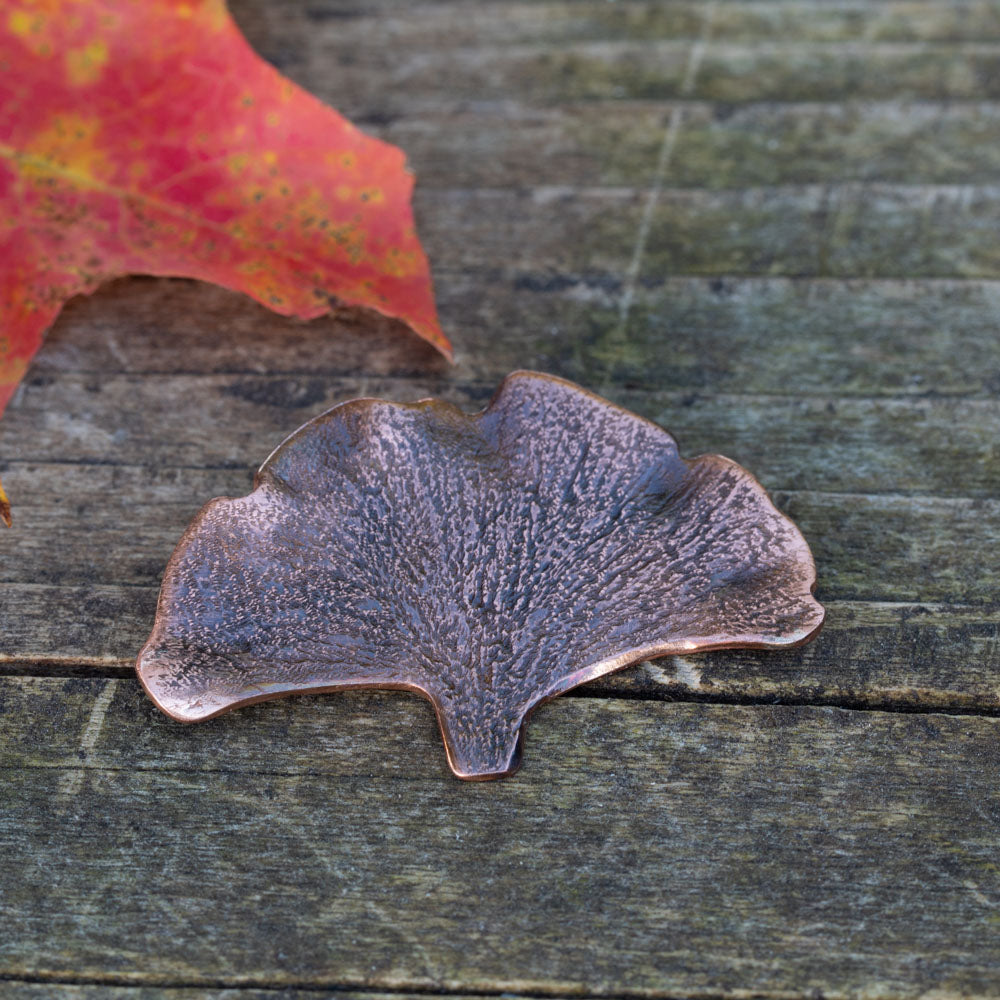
x=488 y=562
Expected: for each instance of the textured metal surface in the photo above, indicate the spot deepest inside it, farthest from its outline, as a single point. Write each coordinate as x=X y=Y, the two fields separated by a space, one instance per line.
x=488 y=562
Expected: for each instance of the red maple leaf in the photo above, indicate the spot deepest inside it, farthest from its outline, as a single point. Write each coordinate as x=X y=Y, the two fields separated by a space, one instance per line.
x=149 y=138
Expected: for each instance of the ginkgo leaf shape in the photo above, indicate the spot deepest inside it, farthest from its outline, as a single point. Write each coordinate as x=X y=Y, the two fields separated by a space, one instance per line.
x=489 y=562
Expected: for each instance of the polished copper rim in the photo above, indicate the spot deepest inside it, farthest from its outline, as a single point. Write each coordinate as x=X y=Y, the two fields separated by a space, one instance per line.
x=488 y=562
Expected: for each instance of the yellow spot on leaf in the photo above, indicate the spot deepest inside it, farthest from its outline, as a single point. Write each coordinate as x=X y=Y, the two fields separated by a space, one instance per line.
x=210 y=13
x=21 y=23
x=271 y=118
x=217 y=13
x=400 y=265
x=69 y=142
x=29 y=26
x=84 y=65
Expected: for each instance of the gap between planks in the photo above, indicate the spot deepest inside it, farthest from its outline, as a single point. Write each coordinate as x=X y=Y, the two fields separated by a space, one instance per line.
x=34 y=464
x=673 y=690
x=477 y=389
x=326 y=988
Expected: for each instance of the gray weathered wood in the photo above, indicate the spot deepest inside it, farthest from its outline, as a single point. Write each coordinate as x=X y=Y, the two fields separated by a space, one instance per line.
x=948 y=57
x=642 y=848
x=752 y=145
x=934 y=445
x=899 y=654
x=816 y=294
x=15 y=990
x=438 y=26
x=928 y=549
x=773 y=336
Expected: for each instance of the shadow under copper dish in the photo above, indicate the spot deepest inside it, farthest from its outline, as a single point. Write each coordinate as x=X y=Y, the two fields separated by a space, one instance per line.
x=487 y=561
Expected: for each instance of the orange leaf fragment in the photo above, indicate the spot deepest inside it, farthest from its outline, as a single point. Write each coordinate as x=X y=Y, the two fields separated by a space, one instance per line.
x=150 y=138
x=4 y=507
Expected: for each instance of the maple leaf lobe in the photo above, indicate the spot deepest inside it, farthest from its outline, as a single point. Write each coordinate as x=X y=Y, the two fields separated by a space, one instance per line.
x=149 y=138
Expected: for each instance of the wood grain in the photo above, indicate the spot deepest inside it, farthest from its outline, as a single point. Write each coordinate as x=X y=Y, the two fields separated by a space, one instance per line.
x=459 y=23
x=50 y=990
x=770 y=336
x=806 y=278
x=892 y=654
x=639 y=851
x=763 y=143
x=928 y=549
x=931 y=445
x=553 y=53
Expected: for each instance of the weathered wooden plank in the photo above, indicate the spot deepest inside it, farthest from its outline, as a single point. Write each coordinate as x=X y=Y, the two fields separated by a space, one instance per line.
x=502 y=24
x=583 y=145
x=928 y=445
x=782 y=144
x=503 y=232
x=14 y=990
x=816 y=231
x=645 y=848
x=896 y=655
x=756 y=335
x=509 y=144
x=899 y=656
x=21 y=990
x=803 y=337
x=373 y=84
x=387 y=63
x=804 y=72
x=119 y=524
x=87 y=601
x=87 y=629
x=848 y=231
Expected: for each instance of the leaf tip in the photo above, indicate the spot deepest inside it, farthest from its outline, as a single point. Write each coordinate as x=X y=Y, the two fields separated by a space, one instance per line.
x=435 y=336
x=444 y=346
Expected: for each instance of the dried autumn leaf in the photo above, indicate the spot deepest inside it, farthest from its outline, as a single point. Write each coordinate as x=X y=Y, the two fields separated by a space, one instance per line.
x=150 y=138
